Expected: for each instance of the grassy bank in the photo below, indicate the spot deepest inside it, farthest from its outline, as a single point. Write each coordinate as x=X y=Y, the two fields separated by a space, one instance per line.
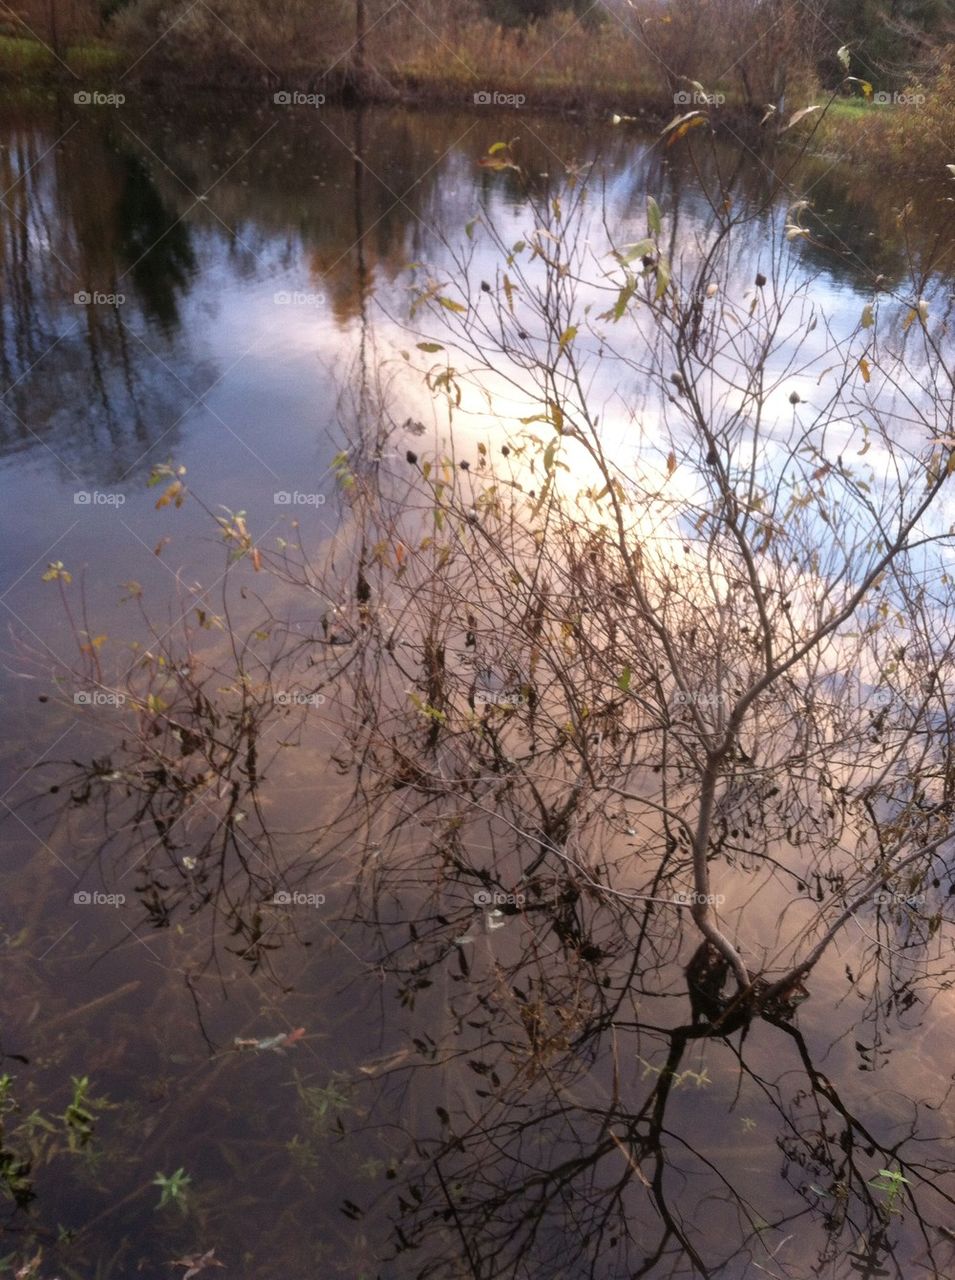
x=28 y=62
x=913 y=134
x=554 y=66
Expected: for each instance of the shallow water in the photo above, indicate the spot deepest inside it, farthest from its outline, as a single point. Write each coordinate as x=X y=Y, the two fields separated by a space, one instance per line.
x=264 y=265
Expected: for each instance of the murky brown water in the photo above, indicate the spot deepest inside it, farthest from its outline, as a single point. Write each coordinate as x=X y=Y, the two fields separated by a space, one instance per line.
x=475 y=1088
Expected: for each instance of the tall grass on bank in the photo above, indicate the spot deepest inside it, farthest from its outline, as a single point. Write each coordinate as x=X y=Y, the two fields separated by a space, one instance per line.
x=911 y=133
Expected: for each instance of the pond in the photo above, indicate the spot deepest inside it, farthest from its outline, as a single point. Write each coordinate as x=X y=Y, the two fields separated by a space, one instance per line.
x=254 y=1004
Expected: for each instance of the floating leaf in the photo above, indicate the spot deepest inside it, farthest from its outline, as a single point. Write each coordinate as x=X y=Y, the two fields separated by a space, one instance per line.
x=843 y=55
x=275 y=1044
x=623 y=683
x=196 y=1263
x=865 y=369
x=450 y=305
x=430 y=347
x=671 y=463
x=868 y=316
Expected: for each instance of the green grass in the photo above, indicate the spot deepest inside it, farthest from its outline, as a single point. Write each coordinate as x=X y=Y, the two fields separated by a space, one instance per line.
x=22 y=59
x=853 y=108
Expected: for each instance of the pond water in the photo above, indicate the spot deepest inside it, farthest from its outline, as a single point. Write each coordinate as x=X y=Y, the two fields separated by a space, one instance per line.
x=212 y=289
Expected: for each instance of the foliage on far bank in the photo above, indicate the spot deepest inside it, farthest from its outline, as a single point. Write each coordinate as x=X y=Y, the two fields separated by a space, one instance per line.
x=758 y=63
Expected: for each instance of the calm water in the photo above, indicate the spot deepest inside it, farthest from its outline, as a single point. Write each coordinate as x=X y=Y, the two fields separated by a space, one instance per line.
x=248 y=269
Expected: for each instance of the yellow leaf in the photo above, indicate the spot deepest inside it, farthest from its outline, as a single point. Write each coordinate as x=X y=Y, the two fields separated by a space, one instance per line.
x=865 y=370
x=172 y=494
x=569 y=334
x=56 y=572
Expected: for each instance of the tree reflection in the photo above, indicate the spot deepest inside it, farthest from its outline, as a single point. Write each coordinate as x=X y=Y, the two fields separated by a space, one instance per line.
x=469 y=741
x=82 y=219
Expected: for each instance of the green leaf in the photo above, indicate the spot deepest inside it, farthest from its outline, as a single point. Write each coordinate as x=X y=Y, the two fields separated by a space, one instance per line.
x=450 y=305
x=654 y=218
x=624 y=682
x=663 y=278
x=630 y=252
x=430 y=347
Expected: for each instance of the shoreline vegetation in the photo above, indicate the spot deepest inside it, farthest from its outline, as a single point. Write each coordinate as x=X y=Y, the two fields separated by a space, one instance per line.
x=562 y=63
